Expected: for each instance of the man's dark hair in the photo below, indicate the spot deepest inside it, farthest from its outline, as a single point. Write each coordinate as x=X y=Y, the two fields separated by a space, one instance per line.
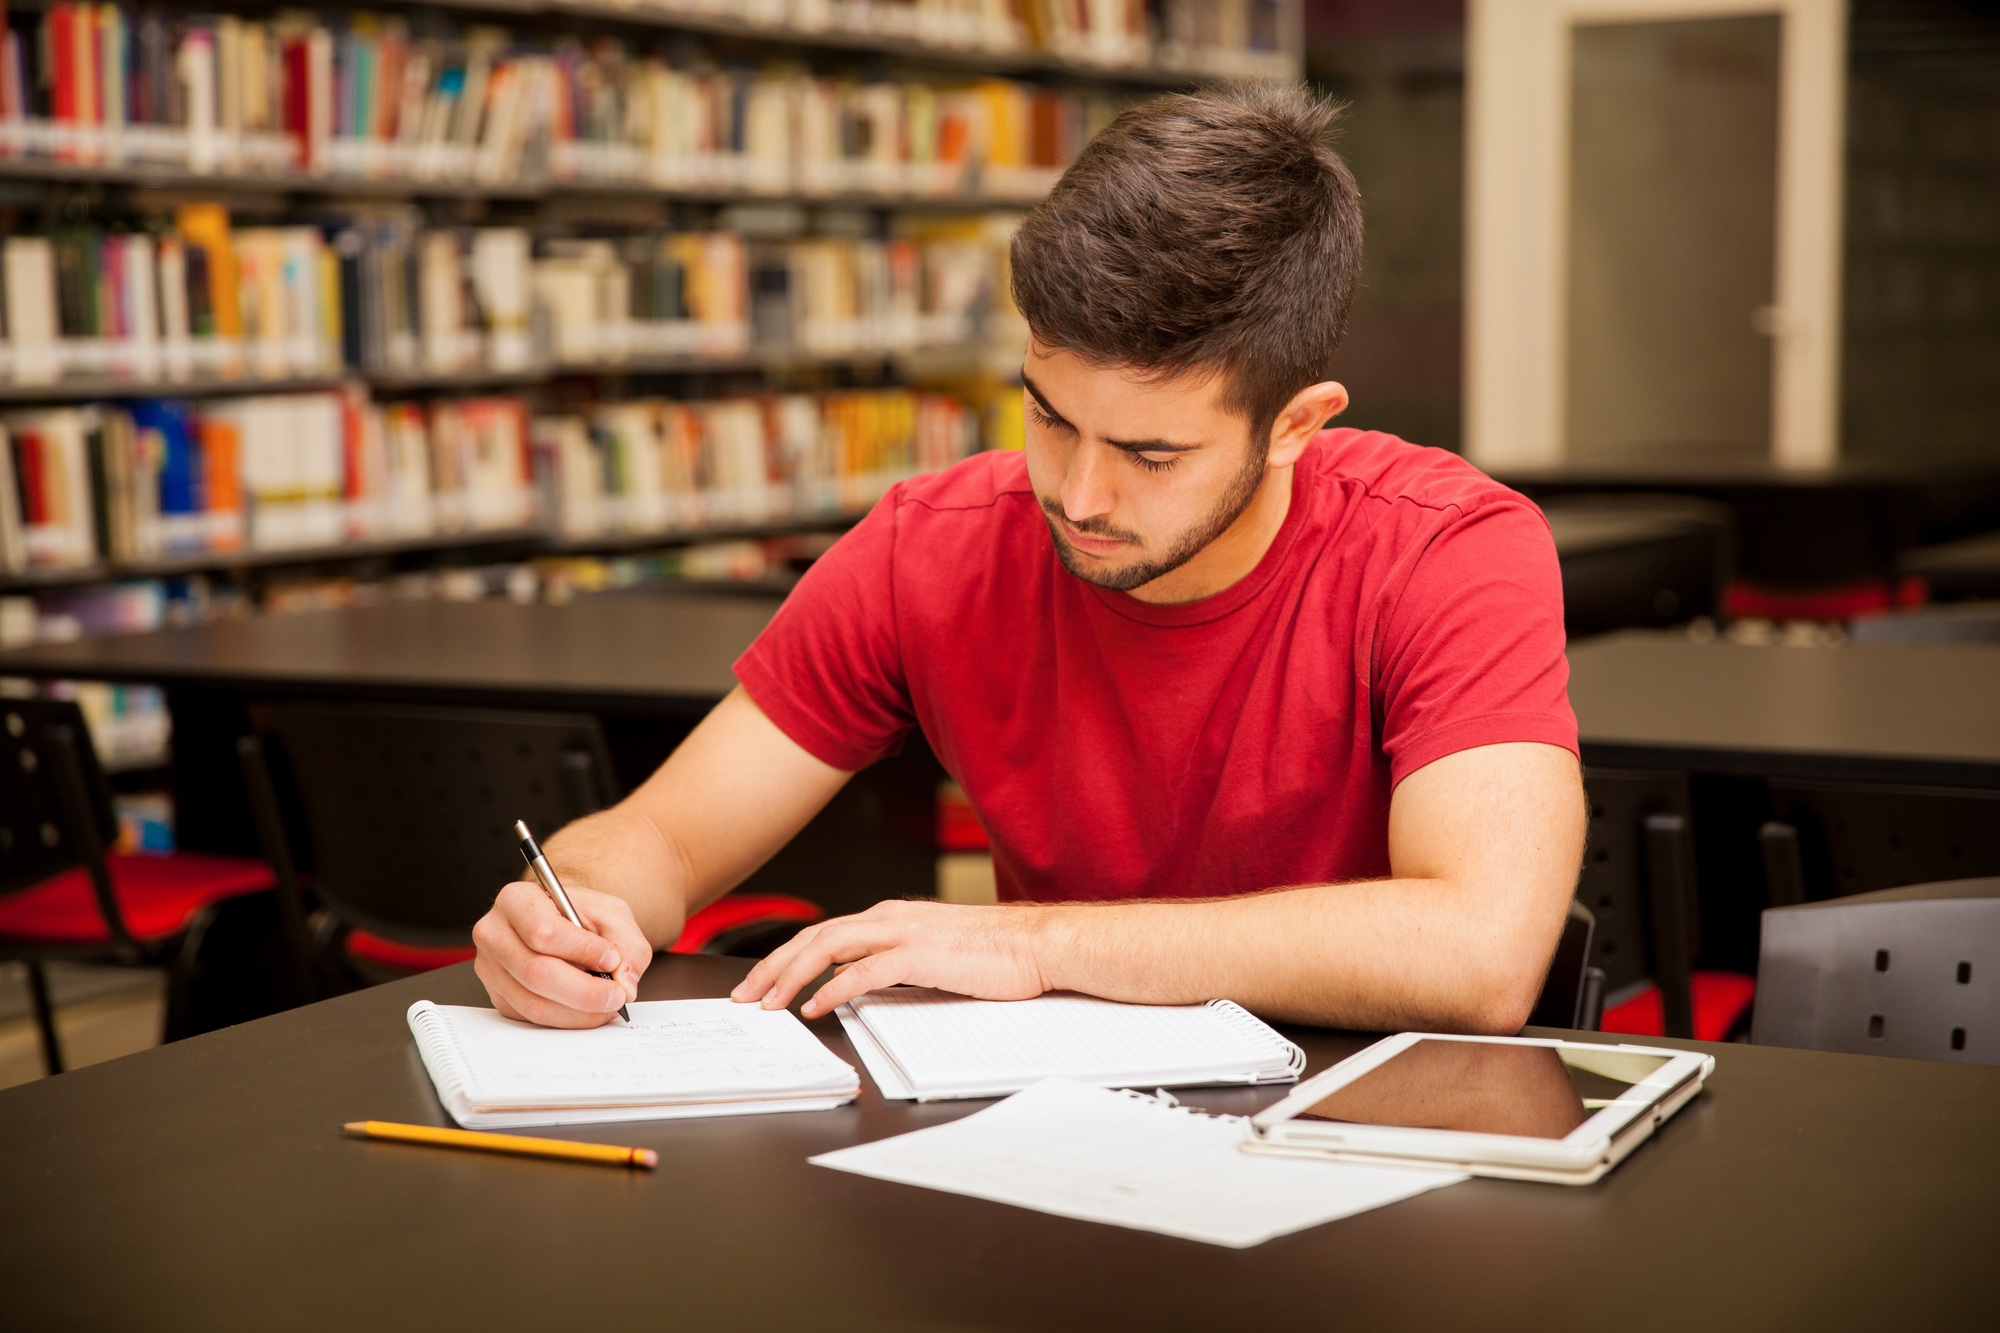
x=1209 y=230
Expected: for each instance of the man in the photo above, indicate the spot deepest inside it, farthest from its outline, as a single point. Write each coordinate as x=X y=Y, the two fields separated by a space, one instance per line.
x=1247 y=708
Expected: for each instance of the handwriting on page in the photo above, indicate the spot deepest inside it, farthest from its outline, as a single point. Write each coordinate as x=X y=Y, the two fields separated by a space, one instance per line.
x=706 y=1045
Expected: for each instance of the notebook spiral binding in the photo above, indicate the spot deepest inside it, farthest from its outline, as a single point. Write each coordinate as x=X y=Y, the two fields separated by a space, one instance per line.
x=1243 y=1020
x=441 y=1055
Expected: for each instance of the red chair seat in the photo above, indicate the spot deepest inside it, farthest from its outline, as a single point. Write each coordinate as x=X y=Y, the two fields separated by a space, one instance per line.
x=158 y=896
x=736 y=910
x=400 y=957
x=1719 y=1000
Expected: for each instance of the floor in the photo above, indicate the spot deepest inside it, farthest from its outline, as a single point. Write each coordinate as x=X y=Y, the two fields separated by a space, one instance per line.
x=101 y=1014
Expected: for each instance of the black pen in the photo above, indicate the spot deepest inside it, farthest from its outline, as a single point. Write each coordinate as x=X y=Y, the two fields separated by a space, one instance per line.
x=531 y=851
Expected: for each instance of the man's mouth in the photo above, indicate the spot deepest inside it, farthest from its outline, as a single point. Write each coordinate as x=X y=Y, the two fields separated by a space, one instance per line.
x=1088 y=544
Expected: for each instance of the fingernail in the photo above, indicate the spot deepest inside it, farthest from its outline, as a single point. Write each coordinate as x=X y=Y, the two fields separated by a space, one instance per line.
x=771 y=1002
x=631 y=985
x=740 y=991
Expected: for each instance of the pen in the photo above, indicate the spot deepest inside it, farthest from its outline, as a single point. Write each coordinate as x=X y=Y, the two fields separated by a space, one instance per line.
x=532 y=852
x=514 y=1143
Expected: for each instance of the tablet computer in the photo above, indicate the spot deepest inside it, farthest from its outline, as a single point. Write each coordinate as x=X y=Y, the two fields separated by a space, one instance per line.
x=1523 y=1108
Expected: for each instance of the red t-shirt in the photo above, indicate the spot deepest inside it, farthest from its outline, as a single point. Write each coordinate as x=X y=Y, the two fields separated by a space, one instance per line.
x=1410 y=607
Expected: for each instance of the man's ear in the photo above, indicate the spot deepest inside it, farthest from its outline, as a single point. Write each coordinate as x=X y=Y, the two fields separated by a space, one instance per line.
x=1302 y=418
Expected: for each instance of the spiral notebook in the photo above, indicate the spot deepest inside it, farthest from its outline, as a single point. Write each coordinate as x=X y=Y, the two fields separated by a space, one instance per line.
x=929 y=1045
x=675 y=1058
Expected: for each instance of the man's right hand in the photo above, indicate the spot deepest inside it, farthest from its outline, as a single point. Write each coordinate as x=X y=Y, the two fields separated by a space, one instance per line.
x=537 y=966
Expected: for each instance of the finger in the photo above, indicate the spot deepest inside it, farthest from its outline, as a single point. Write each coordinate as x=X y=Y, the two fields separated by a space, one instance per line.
x=755 y=986
x=871 y=973
x=542 y=928
x=512 y=1000
x=844 y=941
x=612 y=918
x=549 y=978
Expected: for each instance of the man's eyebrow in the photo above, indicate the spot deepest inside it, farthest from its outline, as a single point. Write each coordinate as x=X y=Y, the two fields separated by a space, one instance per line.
x=1035 y=390
x=1129 y=446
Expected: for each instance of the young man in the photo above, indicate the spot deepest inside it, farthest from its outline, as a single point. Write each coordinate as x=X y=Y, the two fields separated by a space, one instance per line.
x=1248 y=708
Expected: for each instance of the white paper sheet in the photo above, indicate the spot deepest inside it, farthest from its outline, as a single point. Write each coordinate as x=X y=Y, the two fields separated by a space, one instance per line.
x=1128 y=1160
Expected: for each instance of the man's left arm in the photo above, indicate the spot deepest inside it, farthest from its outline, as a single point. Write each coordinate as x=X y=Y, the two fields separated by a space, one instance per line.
x=1484 y=847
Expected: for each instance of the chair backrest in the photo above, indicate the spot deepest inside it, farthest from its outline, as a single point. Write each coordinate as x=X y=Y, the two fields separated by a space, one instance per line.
x=39 y=824
x=1832 y=839
x=1571 y=997
x=1638 y=880
x=403 y=817
x=1911 y=972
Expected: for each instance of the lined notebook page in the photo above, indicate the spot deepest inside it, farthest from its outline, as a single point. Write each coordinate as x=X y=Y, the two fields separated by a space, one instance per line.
x=671 y=1050
x=1130 y=1161
x=942 y=1041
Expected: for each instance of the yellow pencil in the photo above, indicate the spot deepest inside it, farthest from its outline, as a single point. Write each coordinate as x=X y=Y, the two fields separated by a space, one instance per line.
x=605 y=1153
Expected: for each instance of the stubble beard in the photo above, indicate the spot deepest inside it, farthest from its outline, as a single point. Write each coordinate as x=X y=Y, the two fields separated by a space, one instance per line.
x=1242 y=490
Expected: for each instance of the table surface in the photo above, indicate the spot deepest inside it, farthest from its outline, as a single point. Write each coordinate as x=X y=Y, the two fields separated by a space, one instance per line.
x=614 y=651
x=1922 y=713
x=184 y=1186
x=1585 y=531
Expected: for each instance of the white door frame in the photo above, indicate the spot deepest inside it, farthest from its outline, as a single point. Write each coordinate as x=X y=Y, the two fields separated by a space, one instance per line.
x=1518 y=95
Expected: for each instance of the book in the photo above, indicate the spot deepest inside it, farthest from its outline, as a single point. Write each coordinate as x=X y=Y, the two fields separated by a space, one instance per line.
x=929 y=1045
x=1129 y=1160
x=676 y=1058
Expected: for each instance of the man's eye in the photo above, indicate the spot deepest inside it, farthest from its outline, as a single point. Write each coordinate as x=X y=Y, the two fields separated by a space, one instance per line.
x=1152 y=464
x=1044 y=419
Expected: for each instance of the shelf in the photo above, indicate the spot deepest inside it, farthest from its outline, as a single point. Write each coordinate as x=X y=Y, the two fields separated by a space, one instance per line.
x=45 y=171
x=533 y=541
x=97 y=387
x=622 y=543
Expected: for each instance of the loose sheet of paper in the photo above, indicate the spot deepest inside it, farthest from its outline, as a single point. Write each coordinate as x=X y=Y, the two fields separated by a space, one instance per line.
x=1085 y=1152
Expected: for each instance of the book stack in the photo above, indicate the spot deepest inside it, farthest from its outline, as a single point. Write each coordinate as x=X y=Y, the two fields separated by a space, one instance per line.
x=198 y=298
x=277 y=472
x=1226 y=39
x=662 y=296
x=439 y=300
x=658 y=466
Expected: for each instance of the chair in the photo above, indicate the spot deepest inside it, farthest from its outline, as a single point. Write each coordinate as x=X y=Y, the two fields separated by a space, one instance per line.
x=1911 y=971
x=63 y=895
x=1832 y=839
x=1638 y=880
x=1573 y=994
x=391 y=827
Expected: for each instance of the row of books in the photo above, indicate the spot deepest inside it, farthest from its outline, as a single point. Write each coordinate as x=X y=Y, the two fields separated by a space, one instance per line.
x=156 y=479
x=385 y=294
x=149 y=480
x=366 y=96
x=658 y=465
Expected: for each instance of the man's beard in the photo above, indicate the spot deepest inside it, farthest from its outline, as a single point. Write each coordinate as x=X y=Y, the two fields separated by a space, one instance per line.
x=1242 y=490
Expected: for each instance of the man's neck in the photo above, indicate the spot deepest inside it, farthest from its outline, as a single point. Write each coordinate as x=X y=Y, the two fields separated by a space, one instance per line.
x=1231 y=556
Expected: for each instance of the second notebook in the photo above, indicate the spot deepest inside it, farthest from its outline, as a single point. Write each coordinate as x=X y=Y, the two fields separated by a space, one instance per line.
x=928 y=1045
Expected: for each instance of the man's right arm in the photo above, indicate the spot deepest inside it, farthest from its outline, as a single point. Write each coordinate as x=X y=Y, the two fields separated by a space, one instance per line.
x=735 y=791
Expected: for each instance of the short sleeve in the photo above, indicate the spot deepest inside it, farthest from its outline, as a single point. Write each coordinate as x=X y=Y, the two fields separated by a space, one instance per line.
x=1471 y=651
x=828 y=669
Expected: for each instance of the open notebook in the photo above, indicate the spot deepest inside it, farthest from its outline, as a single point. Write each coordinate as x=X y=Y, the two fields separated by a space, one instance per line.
x=929 y=1045
x=675 y=1058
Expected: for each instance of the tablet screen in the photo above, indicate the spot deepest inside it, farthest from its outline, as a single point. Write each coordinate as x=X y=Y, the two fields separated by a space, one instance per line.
x=1478 y=1087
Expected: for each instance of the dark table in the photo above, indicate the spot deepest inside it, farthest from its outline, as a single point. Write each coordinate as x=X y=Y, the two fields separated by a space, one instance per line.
x=1638 y=560
x=1969 y=567
x=204 y=1185
x=648 y=663
x=1908 y=713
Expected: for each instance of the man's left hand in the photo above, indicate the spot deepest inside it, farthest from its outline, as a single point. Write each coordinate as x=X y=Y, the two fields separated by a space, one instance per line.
x=989 y=953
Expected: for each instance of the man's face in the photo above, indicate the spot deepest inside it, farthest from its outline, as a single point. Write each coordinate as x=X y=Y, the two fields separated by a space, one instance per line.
x=1136 y=477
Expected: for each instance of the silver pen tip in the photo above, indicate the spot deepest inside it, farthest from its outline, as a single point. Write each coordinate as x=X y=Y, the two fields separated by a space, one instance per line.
x=521 y=831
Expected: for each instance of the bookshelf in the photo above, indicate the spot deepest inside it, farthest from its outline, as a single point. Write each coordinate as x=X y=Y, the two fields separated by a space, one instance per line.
x=516 y=296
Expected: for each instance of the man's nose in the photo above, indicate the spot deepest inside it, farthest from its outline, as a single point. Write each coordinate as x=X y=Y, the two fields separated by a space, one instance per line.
x=1087 y=491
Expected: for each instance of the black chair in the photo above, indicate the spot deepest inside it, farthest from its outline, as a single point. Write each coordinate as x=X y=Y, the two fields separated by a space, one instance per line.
x=390 y=828
x=1911 y=972
x=1832 y=839
x=65 y=895
x=1638 y=880
x=1573 y=994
